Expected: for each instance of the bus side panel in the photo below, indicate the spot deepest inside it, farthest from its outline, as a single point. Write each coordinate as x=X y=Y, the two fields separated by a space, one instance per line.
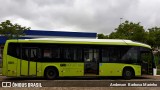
x=11 y=66
x=66 y=69
x=73 y=69
x=110 y=69
x=4 y=60
x=116 y=69
x=137 y=69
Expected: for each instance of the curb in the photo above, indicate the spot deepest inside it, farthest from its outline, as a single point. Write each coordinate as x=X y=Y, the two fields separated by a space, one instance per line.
x=156 y=75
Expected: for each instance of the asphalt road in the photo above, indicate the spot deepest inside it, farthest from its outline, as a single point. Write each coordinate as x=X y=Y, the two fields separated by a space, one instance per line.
x=82 y=81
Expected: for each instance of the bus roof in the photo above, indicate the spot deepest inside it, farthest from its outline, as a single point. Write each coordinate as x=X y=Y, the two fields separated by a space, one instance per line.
x=82 y=41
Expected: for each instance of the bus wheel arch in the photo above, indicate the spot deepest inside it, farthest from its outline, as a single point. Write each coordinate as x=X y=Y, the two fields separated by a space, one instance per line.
x=51 y=72
x=128 y=72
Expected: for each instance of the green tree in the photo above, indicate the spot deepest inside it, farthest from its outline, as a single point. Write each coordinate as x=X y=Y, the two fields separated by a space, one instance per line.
x=131 y=31
x=154 y=36
x=115 y=35
x=102 y=36
x=11 y=31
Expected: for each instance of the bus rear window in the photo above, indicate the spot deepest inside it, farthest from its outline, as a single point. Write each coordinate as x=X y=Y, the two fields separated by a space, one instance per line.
x=13 y=49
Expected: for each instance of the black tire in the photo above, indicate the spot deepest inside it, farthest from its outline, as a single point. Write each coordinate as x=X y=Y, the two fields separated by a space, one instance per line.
x=128 y=73
x=51 y=73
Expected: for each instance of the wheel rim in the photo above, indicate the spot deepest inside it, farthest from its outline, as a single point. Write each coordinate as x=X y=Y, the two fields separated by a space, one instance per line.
x=128 y=73
x=51 y=74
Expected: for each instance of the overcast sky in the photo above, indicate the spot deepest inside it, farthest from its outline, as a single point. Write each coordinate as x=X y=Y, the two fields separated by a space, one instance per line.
x=101 y=16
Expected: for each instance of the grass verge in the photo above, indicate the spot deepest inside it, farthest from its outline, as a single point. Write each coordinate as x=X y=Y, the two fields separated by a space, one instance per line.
x=158 y=69
x=0 y=65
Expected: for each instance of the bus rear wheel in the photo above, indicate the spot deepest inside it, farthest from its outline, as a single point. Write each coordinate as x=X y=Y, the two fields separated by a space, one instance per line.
x=128 y=73
x=51 y=73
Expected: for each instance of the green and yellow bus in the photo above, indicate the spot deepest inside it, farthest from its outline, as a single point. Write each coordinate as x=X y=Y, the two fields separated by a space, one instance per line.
x=60 y=57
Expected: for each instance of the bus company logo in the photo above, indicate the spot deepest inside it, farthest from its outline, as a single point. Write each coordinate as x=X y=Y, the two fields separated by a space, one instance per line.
x=6 y=84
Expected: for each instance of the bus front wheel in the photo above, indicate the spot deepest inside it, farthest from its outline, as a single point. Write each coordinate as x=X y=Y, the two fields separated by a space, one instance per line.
x=128 y=73
x=51 y=73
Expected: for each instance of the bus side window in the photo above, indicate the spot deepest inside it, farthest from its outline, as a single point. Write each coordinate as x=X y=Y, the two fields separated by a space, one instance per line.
x=56 y=53
x=25 y=53
x=29 y=53
x=14 y=47
x=47 y=53
x=105 y=55
x=33 y=54
x=114 y=54
x=72 y=54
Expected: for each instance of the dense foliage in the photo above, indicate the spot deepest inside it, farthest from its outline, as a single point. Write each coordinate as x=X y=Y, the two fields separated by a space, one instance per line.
x=136 y=32
x=11 y=31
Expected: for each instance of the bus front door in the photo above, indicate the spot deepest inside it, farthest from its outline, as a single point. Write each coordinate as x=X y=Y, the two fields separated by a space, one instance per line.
x=147 y=63
x=29 y=64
